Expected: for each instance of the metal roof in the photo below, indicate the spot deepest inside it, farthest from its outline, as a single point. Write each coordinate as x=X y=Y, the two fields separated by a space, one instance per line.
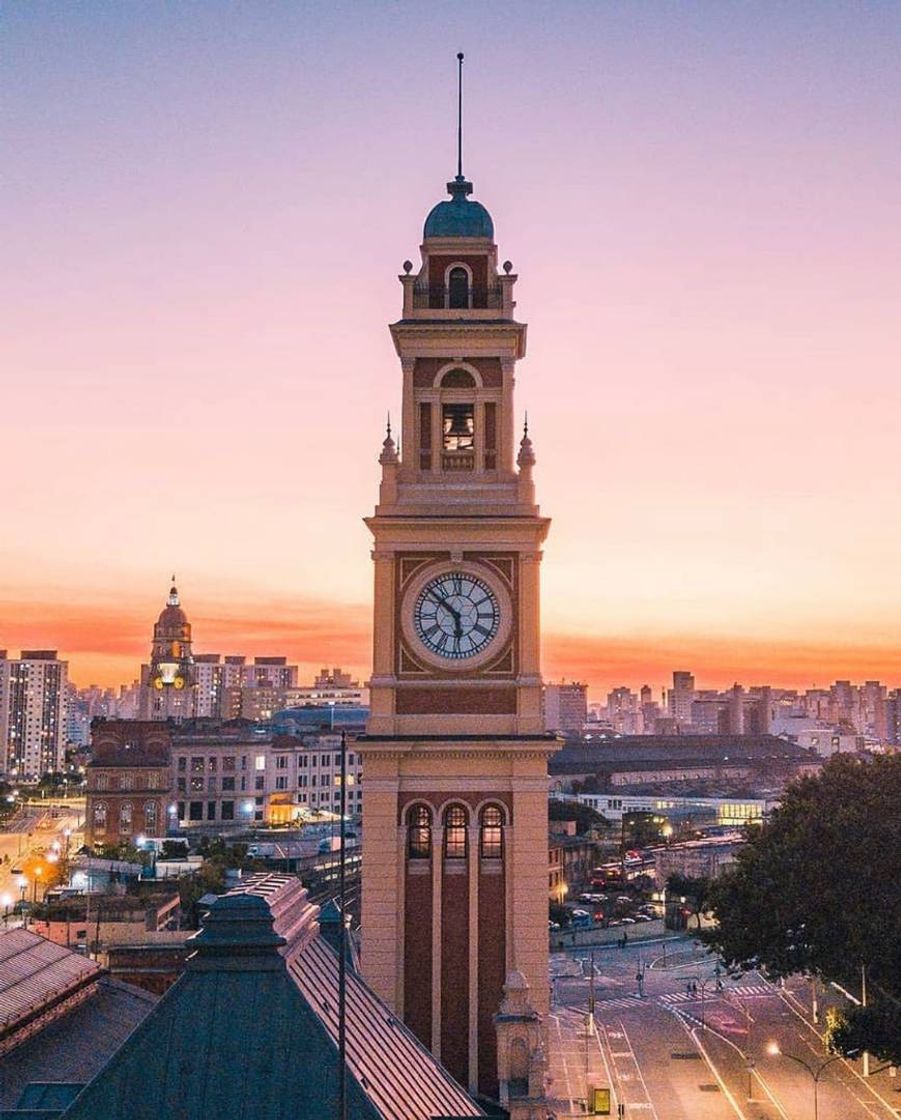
x=35 y=972
x=249 y=1032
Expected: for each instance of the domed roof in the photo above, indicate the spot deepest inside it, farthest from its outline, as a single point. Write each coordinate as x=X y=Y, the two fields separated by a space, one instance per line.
x=172 y=614
x=459 y=217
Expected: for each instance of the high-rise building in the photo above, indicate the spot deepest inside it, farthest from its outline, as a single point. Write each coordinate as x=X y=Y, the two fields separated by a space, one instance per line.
x=33 y=712
x=168 y=682
x=454 y=894
x=565 y=706
x=681 y=697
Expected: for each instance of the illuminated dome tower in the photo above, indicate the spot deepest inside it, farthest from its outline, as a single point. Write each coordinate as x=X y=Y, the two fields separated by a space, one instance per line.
x=168 y=682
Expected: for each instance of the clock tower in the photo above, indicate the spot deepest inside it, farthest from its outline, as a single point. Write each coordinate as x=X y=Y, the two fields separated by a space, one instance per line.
x=455 y=863
x=168 y=682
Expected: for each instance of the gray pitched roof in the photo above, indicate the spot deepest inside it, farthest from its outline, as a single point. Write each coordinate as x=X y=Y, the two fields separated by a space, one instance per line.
x=249 y=1032
x=34 y=971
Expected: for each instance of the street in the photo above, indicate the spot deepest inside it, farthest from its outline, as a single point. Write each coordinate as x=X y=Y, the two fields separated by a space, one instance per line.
x=34 y=828
x=674 y=1037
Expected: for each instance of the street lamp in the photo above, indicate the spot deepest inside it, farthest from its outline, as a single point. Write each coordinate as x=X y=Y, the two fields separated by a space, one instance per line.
x=816 y=1073
x=23 y=887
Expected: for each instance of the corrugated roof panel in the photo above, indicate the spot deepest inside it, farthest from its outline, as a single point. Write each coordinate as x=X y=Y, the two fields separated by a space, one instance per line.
x=34 y=971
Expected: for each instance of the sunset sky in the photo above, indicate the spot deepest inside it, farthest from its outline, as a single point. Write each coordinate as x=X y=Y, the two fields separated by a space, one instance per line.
x=206 y=208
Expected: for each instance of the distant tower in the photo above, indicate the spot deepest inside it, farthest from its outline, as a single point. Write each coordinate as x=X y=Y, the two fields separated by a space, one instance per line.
x=168 y=682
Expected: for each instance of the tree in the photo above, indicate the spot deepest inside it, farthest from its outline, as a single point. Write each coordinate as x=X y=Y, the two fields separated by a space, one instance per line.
x=696 y=892
x=816 y=891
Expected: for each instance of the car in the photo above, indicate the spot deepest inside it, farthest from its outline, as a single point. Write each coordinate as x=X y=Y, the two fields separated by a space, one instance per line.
x=614 y=922
x=552 y=925
x=628 y=921
x=623 y=898
x=586 y=897
x=643 y=918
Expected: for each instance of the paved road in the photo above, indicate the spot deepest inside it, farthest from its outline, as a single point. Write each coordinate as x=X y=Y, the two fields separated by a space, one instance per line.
x=680 y=1047
x=32 y=829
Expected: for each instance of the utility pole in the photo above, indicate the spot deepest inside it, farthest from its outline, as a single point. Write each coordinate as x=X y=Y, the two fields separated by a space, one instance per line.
x=863 y=1003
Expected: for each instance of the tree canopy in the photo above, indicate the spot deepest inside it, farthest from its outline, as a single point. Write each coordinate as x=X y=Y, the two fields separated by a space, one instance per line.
x=816 y=890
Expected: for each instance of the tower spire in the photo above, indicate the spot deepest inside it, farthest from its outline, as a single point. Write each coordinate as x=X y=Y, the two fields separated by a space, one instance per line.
x=460 y=117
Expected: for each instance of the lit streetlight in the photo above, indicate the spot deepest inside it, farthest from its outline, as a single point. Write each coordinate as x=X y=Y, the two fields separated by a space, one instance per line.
x=815 y=1072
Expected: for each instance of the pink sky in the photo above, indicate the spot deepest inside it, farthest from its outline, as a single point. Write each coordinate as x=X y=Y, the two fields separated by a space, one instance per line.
x=208 y=207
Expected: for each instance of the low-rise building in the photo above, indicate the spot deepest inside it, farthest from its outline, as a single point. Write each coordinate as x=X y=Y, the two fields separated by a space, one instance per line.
x=128 y=781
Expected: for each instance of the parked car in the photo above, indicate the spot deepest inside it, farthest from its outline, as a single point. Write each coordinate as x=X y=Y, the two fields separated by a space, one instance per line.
x=628 y=921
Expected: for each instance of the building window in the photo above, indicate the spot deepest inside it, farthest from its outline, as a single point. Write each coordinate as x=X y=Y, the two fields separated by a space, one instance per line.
x=211 y=810
x=197 y=785
x=259 y=782
x=182 y=785
x=100 y=816
x=491 y=834
x=228 y=762
x=151 y=816
x=458 y=379
x=228 y=784
x=455 y=833
x=182 y=763
x=281 y=782
x=212 y=765
x=125 y=818
x=228 y=810
x=281 y=763
x=419 y=836
x=197 y=765
x=195 y=810
x=458 y=288
x=101 y=781
x=259 y=763
x=127 y=780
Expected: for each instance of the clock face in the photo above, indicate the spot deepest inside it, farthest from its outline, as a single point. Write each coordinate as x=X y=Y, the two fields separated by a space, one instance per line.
x=456 y=615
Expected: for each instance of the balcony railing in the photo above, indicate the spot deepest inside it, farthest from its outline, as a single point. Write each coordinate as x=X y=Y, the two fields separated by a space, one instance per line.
x=437 y=297
x=458 y=460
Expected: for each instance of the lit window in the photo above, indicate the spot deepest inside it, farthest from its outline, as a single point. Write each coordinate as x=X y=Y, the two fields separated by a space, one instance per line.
x=491 y=838
x=260 y=762
x=455 y=833
x=419 y=839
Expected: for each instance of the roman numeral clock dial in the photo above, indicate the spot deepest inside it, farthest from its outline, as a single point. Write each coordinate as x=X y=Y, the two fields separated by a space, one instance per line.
x=456 y=618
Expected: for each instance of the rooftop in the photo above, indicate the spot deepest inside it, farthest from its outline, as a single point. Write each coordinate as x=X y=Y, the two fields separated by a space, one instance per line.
x=249 y=1031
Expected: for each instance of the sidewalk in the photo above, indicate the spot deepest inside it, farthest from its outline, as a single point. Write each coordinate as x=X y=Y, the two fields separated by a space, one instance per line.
x=575 y=1063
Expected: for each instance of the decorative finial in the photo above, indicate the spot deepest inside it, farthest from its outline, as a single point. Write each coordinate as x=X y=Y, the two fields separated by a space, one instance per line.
x=526 y=457
x=389 y=450
x=460 y=116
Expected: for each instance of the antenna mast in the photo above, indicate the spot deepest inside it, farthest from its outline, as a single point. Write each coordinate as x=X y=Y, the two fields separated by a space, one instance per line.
x=460 y=115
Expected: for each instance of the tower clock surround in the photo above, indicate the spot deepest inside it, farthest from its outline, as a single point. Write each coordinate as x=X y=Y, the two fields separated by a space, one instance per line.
x=456 y=616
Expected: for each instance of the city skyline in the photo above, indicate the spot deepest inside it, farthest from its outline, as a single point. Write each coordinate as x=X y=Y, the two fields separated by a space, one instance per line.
x=702 y=219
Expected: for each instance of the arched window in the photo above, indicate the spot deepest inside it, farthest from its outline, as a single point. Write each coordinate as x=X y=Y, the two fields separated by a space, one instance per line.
x=455 y=833
x=125 y=815
x=419 y=834
x=458 y=288
x=151 y=816
x=458 y=379
x=100 y=816
x=491 y=835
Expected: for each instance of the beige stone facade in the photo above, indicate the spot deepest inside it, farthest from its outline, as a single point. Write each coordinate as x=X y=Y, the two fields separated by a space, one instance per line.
x=455 y=754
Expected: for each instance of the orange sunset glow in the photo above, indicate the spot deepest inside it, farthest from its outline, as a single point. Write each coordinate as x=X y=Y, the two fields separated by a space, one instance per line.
x=207 y=224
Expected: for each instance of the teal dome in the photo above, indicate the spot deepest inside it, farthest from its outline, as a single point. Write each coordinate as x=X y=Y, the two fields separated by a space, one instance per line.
x=459 y=217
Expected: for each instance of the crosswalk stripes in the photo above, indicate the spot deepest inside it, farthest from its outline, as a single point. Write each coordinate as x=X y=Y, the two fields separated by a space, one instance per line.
x=740 y=990
x=620 y=1002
